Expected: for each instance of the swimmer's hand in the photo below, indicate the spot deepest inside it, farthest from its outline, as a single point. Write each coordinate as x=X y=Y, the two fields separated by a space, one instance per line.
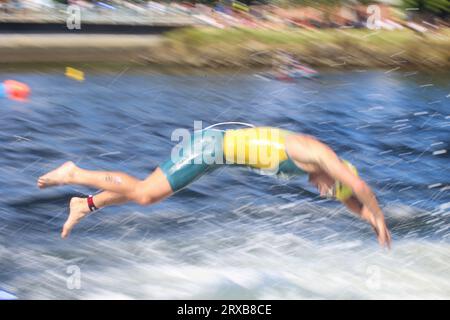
x=379 y=226
x=376 y=221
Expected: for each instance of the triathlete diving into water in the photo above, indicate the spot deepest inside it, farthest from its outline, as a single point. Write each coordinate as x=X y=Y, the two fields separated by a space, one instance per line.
x=266 y=149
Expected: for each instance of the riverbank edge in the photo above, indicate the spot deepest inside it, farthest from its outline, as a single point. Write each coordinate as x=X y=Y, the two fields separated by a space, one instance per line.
x=238 y=48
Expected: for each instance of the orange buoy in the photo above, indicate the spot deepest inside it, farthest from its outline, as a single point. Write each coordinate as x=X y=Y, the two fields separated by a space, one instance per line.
x=15 y=90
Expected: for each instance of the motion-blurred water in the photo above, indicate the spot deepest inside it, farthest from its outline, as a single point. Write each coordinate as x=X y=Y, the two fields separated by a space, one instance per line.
x=232 y=234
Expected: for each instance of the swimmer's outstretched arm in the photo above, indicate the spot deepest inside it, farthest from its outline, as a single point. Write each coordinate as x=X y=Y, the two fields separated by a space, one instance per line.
x=356 y=207
x=319 y=154
x=363 y=193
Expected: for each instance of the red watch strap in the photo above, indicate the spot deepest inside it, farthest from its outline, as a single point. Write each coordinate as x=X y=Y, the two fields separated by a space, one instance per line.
x=90 y=201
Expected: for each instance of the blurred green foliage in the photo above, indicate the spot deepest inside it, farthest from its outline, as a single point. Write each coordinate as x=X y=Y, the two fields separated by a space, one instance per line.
x=437 y=7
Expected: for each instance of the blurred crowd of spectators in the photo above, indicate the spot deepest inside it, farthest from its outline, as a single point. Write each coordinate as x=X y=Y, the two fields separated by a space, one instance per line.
x=231 y=13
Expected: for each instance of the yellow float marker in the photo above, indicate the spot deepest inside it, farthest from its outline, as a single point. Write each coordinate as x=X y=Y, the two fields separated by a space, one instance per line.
x=74 y=74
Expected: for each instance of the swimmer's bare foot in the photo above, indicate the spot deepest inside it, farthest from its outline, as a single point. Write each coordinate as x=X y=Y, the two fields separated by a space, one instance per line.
x=59 y=176
x=78 y=210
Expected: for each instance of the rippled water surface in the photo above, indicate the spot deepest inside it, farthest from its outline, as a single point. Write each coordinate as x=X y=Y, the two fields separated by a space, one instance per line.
x=231 y=234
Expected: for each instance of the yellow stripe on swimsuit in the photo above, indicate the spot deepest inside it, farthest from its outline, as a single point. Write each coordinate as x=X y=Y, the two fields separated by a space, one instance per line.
x=262 y=148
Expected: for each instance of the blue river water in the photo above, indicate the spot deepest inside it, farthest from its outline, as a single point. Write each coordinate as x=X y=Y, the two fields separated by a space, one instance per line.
x=232 y=234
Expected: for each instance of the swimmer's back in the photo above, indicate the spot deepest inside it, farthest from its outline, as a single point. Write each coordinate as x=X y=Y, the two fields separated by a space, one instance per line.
x=260 y=147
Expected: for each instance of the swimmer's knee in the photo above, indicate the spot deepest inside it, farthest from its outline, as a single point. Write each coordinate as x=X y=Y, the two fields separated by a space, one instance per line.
x=143 y=199
x=142 y=196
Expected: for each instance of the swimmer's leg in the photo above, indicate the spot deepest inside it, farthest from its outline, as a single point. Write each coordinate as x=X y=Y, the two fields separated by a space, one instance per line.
x=134 y=189
x=153 y=189
x=79 y=208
